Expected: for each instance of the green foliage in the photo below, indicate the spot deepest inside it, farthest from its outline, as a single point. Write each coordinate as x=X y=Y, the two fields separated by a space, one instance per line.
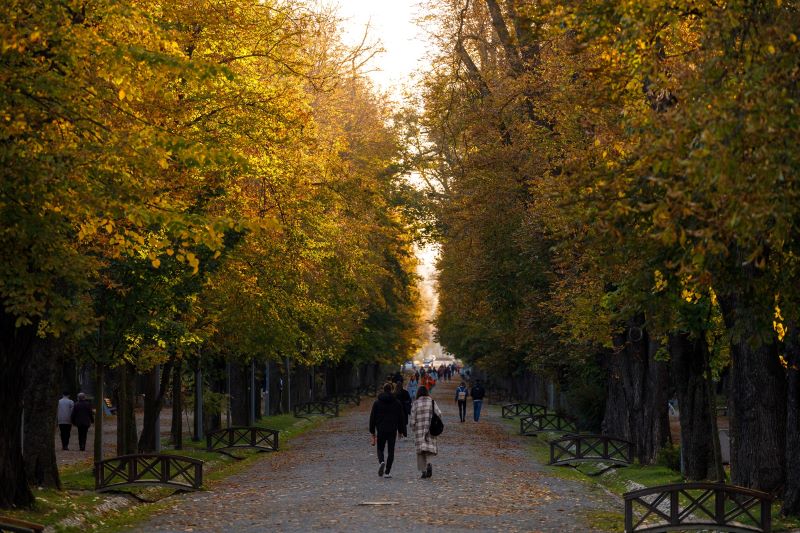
x=670 y=456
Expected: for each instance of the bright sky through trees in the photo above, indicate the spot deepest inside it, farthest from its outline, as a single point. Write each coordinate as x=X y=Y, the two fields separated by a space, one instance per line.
x=391 y=24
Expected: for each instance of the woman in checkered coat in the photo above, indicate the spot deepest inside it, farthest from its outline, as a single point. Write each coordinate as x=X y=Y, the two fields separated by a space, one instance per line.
x=421 y=413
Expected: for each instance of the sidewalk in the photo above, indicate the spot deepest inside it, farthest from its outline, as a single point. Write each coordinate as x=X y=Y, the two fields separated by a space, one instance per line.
x=327 y=481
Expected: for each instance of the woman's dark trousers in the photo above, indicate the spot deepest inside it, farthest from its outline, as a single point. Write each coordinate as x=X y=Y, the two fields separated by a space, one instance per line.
x=462 y=409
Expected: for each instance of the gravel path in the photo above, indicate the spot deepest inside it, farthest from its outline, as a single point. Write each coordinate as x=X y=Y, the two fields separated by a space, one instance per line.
x=482 y=480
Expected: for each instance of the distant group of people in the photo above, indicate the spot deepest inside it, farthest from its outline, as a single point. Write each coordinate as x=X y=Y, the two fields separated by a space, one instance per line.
x=78 y=414
x=397 y=407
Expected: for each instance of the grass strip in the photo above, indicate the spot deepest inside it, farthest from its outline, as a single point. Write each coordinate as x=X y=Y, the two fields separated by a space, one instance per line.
x=78 y=508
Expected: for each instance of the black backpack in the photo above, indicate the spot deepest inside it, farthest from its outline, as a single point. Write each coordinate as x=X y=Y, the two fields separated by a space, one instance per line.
x=437 y=426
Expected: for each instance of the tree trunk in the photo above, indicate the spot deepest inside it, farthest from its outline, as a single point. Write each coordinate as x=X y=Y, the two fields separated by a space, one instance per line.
x=758 y=395
x=240 y=377
x=99 y=369
x=636 y=407
x=689 y=357
x=791 y=492
x=41 y=401
x=15 y=347
x=177 y=408
x=126 y=418
x=154 y=399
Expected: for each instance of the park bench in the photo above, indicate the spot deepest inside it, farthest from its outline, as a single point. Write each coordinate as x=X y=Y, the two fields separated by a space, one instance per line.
x=15 y=525
x=344 y=399
x=550 y=422
x=698 y=506
x=176 y=471
x=261 y=439
x=576 y=449
x=304 y=410
x=514 y=410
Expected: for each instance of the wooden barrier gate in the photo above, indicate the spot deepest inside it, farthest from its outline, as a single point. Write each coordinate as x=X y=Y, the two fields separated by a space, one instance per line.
x=176 y=471
x=513 y=410
x=573 y=449
x=684 y=506
x=532 y=425
x=344 y=399
x=262 y=439
x=307 y=409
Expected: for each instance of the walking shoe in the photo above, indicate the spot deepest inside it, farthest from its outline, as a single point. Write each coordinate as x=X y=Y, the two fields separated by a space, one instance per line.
x=424 y=475
x=429 y=471
x=387 y=475
x=380 y=469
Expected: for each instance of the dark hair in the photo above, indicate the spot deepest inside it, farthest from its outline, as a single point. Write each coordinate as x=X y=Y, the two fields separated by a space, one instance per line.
x=387 y=387
x=422 y=391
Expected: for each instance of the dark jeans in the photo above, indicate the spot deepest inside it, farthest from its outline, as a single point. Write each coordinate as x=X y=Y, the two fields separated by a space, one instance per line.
x=476 y=406
x=462 y=409
x=383 y=439
x=82 y=431
x=66 y=429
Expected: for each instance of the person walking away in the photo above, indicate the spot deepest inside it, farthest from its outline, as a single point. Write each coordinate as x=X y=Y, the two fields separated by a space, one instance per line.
x=425 y=381
x=65 y=406
x=461 y=400
x=413 y=384
x=386 y=421
x=477 y=394
x=82 y=417
x=425 y=444
x=404 y=397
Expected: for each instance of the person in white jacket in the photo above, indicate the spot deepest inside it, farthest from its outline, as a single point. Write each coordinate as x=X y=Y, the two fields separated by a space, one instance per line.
x=65 y=406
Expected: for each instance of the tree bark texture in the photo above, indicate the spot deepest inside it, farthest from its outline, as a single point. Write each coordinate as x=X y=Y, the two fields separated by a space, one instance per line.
x=41 y=405
x=176 y=429
x=758 y=396
x=99 y=391
x=636 y=406
x=126 y=419
x=154 y=400
x=689 y=358
x=15 y=349
x=240 y=379
x=791 y=491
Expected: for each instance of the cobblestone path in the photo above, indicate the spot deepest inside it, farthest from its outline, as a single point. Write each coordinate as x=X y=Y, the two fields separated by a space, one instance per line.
x=482 y=480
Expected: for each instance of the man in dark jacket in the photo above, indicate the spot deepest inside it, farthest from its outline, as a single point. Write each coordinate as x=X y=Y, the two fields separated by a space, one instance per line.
x=82 y=418
x=477 y=394
x=403 y=397
x=388 y=418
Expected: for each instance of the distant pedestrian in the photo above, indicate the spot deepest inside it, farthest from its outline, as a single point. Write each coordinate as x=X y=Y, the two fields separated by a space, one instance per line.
x=413 y=384
x=82 y=417
x=426 y=381
x=65 y=406
x=403 y=396
x=461 y=400
x=425 y=443
x=386 y=421
x=477 y=393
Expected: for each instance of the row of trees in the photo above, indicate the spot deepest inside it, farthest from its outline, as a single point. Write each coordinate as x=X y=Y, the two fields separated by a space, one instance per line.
x=615 y=187
x=182 y=180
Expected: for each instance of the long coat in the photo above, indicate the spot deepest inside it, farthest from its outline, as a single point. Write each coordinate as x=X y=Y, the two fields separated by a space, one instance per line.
x=421 y=414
